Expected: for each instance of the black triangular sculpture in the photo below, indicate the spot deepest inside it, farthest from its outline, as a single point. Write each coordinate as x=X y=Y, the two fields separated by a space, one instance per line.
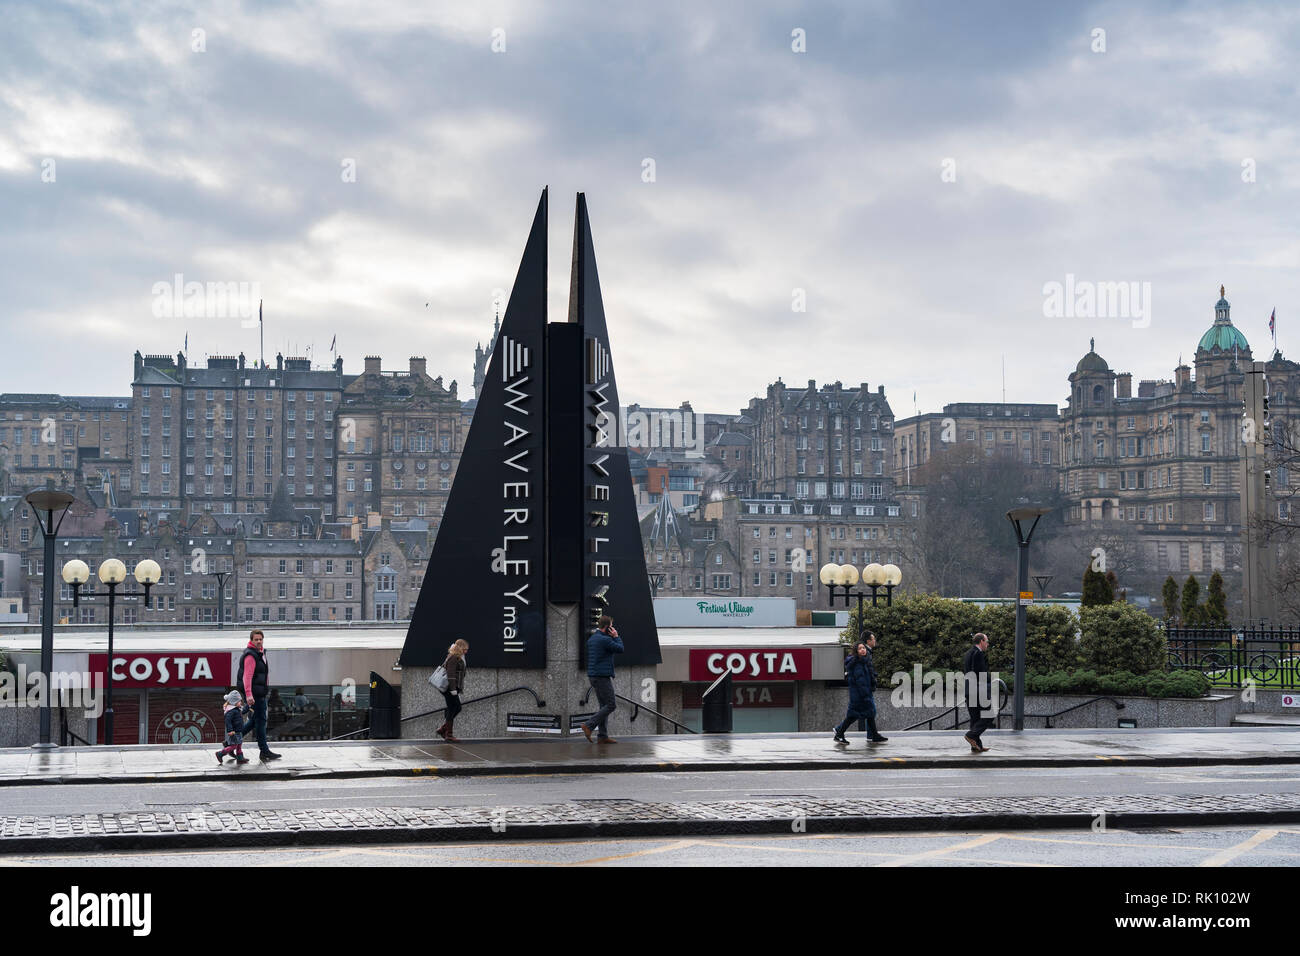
x=614 y=578
x=485 y=580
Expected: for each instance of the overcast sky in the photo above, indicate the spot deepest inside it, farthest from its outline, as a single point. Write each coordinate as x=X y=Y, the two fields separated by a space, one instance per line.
x=921 y=173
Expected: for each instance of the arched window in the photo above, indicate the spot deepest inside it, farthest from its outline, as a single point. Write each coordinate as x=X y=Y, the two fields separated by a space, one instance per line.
x=1096 y=394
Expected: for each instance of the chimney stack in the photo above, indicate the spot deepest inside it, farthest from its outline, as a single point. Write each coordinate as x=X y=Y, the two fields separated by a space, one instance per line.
x=1124 y=385
x=417 y=365
x=372 y=364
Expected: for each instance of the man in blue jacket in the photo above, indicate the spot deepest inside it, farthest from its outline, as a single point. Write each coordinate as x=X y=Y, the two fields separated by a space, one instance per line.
x=603 y=644
x=860 y=673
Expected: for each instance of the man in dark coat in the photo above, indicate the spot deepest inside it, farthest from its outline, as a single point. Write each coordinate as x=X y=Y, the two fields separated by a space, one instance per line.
x=975 y=665
x=860 y=673
x=603 y=644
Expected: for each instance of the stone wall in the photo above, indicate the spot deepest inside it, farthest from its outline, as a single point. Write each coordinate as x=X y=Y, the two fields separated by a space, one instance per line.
x=562 y=685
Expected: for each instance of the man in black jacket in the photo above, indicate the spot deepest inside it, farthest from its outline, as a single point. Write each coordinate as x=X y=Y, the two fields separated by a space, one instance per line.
x=979 y=693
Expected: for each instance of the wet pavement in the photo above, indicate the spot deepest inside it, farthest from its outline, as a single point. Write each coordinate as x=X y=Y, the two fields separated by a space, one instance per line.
x=918 y=749
x=191 y=829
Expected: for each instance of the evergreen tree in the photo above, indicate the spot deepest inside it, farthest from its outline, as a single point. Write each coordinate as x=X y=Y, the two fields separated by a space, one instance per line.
x=1191 y=602
x=1169 y=595
x=1096 y=589
x=1216 y=605
x=1112 y=582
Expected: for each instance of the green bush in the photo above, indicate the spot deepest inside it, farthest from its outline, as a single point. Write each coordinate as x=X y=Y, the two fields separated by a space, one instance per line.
x=1120 y=637
x=936 y=632
x=1188 y=684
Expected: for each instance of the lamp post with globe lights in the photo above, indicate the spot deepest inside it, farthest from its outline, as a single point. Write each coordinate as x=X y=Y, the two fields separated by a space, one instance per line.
x=112 y=572
x=874 y=576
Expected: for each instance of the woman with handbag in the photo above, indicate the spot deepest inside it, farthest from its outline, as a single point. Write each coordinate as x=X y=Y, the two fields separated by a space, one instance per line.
x=454 y=667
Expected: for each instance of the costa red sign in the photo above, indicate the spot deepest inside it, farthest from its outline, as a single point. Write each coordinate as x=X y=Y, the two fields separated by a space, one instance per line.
x=166 y=670
x=752 y=664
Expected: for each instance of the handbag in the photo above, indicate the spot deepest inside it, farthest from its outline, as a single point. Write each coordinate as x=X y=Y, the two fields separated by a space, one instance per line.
x=439 y=678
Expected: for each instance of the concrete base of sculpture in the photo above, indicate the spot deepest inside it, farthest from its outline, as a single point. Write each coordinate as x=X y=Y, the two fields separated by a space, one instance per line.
x=562 y=685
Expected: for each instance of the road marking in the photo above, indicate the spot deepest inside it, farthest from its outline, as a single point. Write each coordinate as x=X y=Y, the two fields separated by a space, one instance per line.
x=943 y=851
x=1245 y=846
x=648 y=851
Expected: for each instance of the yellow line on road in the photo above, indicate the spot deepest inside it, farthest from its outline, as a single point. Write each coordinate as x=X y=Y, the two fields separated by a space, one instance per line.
x=1245 y=846
x=943 y=851
x=667 y=848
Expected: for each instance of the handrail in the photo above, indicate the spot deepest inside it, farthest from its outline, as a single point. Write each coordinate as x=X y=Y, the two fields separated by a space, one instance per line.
x=464 y=703
x=637 y=707
x=929 y=722
x=1119 y=705
x=65 y=732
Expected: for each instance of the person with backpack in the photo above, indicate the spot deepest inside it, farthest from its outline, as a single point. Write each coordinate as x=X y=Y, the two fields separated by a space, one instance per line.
x=860 y=673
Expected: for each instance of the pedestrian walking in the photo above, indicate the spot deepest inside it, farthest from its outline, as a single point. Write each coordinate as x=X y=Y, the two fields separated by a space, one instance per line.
x=235 y=710
x=254 y=675
x=979 y=693
x=860 y=673
x=603 y=644
x=455 y=667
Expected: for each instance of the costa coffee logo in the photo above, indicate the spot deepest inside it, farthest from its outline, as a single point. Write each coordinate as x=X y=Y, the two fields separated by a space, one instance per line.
x=185 y=726
x=165 y=670
x=752 y=664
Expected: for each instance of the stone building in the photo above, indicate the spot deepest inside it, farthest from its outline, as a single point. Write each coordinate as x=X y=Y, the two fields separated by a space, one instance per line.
x=401 y=435
x=60 y=436
x=750 y=547
x=216 y=439
x=827 y=444
x=1164 y=463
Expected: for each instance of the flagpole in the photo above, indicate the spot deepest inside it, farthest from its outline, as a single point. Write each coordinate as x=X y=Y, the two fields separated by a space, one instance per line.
x=261 y=335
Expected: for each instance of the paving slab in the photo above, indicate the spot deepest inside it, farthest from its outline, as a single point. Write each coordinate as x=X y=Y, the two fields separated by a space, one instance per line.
x=607 y=819
x=914 y=749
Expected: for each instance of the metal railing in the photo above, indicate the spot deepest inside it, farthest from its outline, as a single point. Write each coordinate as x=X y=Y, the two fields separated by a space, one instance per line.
x=1236 y=657
x=957 y=712
x=66 y=733
x=637 y=707
x=465 y=703
x=1048 y=718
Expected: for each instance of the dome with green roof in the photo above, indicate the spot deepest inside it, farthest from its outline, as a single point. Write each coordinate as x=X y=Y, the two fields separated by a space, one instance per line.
x=1223 y=335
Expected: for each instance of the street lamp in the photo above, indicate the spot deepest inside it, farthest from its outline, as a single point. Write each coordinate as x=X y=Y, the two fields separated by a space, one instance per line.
x=874 y=576
x=1017 y=517
x=48 y=500
x=221 y=594
x=112 y=572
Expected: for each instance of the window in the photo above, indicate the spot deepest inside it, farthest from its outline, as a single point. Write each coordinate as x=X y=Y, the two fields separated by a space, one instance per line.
x=1209 y=511
x=1205 y=442
x=1206 y=475
x=722 y=582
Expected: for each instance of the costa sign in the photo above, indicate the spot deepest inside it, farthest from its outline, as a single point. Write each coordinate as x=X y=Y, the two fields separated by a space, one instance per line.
x=752 y=664
x=166 y=670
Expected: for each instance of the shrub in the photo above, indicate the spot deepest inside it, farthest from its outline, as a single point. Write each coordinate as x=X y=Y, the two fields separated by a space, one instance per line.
x=1120 y=637
x=1189 y=684
x=936 y=632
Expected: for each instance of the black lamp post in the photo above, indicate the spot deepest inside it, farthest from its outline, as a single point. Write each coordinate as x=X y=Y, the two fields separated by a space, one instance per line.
x=49 y=501
x=874 y=576
x=1017 y=516
x=112 y=572
x=221 y=596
